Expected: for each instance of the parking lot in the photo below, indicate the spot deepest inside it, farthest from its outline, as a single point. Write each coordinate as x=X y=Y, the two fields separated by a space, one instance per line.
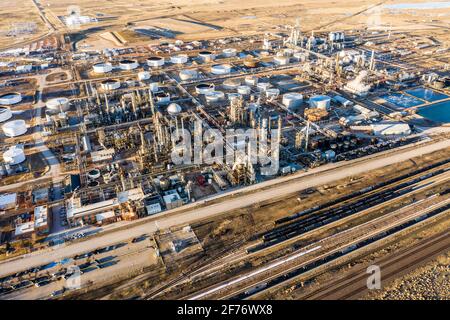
x=57 y=278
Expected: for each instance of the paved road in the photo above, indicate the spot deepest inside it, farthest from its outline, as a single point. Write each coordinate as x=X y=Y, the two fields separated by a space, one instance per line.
x=171 y=218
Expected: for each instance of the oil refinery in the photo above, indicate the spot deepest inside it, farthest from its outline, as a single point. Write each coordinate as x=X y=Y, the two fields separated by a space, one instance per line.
x=277 y=157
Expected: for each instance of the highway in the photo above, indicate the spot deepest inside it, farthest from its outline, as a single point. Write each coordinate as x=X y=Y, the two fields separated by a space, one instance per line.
x=278 y=188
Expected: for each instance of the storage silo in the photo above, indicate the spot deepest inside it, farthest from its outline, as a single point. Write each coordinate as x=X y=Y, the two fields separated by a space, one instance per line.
x=14 y=155
x=10 y=98
x=59 y=104
x=155 y=61
x=320 y=102
x=14 y=128
x=292 y=100
x=102 y=67
x=5 y=114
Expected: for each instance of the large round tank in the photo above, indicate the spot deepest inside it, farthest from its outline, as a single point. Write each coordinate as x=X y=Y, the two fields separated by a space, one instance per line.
x=110 y=84
x=244 y=90
x=59 y=104
x=220 y=69
x=251 y=80
x=203 y=88
x=206 y=55
x=320 y=101
x=263 y=86
x=231 y=84
x=179 y=59
x=292 y=100
x=102 y=67
x=128 y=64
x=281 y=60
x=94 y=174
x=14 y=128
x=229 y=52
x=188 y=74
x=155 y=61
x=154 y=86
x=163 y=97
x=272 y=92
x=10 y=98
x=214 y=96
x=143 y=75
x=14 y=155
x=174 y=109
x=5 y=114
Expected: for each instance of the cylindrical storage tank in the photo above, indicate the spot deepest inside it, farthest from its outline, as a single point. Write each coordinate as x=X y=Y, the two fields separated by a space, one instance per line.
x=232 y=95
x=128 y=64
x=219 y=69
x=251 y=80
x=206 y=55
x=179 y=59
x=143 y=75
x=163 y=97
x=288 y=52
x=231 y=84
x=281 y=60
x=203 y=88
x=244 y=90
x=5 y=114
x=174 y=109
x=155 y=62
x=102 y=67
x=58 y=104
x=10 y=98
x=110 y=84
x=154 y=86
x=14 y=155
x=229 y=52
x=251 y=63
x=263 y=86
x=14 y=128
x=292 y=100
x=320 y=102
x=214 y=96
x=188 y=74
x=94 y=174
x=272 y=92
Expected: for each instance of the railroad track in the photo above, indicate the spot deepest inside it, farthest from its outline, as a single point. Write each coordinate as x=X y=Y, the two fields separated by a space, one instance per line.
x=289 y=273
x=438 y=243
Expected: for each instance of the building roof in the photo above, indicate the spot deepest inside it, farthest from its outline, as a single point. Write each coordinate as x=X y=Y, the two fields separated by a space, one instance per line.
x=40 y=216
x=24 y=228
x=7 y=200
x=104 y=215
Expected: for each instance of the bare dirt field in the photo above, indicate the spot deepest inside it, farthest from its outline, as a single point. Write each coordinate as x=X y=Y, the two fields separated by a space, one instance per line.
x=203 y=19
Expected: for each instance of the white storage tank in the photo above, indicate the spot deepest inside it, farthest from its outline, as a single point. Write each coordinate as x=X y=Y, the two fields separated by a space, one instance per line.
x=128 y=64
x=251 y=80
x=229 y=52
x=155 y=62
x=272 y=93
x=94 y=174
x=102 y=67
x=5 y=114
x=204 y=88
x=292 y=100
x=220 y=69
x=206 y=55
x=10 y=98
x=179 y=59
x=14 y=155
x=188 y=74
x=244 y=90
x=58 y=104
x=163 y=97
x=320 y=101
x=263 y=86
x=231 y=84
x=110 y=84
x=14 y=128
x=281 y=60
x=174 y=109
x=214 y=96
x=143 y=75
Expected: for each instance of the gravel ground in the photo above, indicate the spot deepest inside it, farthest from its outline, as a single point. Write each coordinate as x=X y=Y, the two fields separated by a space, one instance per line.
x=430 y=282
